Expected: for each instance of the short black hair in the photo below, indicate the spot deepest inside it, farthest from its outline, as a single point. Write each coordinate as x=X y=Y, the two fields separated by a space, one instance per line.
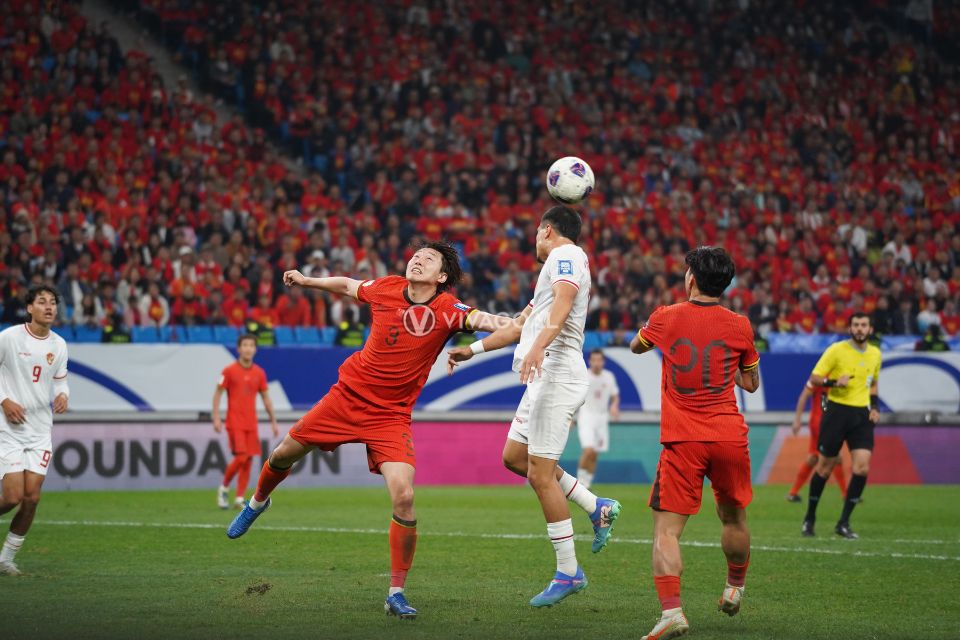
x=450 y=262
x=859 y=314
x=565 y=220
x=600 y=351
x=246 y=336
x=37 y=289
x=712 y=269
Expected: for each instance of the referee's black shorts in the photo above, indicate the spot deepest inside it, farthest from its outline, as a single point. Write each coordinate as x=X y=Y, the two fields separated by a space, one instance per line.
x=841 y=423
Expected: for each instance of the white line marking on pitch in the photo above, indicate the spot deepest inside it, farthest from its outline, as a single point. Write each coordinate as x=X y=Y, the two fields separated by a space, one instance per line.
x=497 y=536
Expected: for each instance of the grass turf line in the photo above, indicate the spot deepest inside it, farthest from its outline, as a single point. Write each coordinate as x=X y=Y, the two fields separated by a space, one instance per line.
x=482 y=554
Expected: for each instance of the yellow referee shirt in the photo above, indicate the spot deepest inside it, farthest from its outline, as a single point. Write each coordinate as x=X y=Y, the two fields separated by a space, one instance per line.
x=863 y=367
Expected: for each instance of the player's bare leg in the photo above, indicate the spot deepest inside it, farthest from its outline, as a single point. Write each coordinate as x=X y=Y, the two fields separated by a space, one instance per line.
x=735 y=542
x=818 y=481
x=398 y=477
x=587 y=467
x=860 y=460
x=603 y=512
x=667 y=569
x=569 y=578
x=274 y=471
x=23 y=490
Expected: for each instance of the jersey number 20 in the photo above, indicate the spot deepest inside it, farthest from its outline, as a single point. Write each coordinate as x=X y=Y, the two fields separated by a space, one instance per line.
x=695 y=356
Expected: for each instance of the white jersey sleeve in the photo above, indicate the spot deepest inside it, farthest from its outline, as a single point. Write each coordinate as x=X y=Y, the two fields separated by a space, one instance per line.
x=566 y=266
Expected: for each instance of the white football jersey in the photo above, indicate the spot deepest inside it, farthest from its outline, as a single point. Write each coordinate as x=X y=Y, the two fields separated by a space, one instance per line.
x=29 y=367
x=602 y=388
x=564 y=357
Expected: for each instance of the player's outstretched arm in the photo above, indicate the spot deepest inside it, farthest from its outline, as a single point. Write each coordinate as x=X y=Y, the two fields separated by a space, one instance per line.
x=336 y=284
x=506 y=332
x=490 y=322
x=801 y=405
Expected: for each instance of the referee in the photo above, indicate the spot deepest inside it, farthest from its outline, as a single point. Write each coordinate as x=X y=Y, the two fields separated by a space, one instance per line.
x=849 y=369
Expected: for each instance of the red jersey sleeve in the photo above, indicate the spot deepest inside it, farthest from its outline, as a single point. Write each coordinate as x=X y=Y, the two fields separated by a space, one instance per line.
x=263 y=379
x=749 y=359
x=455 y=314
x=652 y=334
x=371 y=291
x=224 y=379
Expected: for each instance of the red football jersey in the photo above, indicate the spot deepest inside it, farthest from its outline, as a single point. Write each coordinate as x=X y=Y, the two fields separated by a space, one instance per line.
x=702 y=345
x=242 y=386
x=405 y=340
x=816 y=406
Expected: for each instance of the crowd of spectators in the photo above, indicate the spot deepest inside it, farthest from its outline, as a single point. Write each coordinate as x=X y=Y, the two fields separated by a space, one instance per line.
x=809 y=139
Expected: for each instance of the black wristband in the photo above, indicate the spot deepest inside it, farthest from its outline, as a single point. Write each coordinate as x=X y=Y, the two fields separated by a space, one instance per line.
x=875 y=401
x=827 y=382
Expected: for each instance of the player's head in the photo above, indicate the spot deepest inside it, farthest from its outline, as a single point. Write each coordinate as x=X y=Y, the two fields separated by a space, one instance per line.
x=710 y=270
x=246 y=347
x=860 y=327
x=558 y=225
x=41 y=303
x=436 y=263
x=597 y=360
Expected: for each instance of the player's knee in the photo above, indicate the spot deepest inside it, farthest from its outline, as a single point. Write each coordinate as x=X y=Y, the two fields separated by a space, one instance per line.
x=860 y=468
x=244 y=458
x=403 y=500
x=30 y=501
x=11 y=499
x=515 y=466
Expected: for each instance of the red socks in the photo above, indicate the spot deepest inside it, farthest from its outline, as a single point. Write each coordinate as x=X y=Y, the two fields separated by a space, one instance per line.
x=269 y=479
x=803 y=475
x=668 y=591
x=403 y=544
x=737 y=573
x=840 y=478
x=243 y=475
x=231 y=471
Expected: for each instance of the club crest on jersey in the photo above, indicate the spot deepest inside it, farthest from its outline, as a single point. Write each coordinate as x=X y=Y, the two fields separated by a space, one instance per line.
x=49 y=358
x=565 y=267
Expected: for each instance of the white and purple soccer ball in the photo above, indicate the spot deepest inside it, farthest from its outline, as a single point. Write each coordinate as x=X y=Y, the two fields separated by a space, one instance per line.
x=570 y=180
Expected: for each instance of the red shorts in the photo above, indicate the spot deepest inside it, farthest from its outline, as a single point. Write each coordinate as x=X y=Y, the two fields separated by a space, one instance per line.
x=342 y=417
x=679 y=483
x=814 y=437
x=244 y=442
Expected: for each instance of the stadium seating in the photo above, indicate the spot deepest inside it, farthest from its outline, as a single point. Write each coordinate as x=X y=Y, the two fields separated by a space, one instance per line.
x=785 y=164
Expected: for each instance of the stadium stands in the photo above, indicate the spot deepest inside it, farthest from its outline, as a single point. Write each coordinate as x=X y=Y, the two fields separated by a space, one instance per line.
x=820 y=149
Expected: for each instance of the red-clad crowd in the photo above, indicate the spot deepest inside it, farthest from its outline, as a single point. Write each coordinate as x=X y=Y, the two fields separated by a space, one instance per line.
x=814 y=141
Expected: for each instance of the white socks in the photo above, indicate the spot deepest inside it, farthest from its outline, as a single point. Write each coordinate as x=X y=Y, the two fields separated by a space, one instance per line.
x=255 y=504
x=561 y=535
x=585 y=478
x=577 y=493
x=10 y=547
x=394 y=590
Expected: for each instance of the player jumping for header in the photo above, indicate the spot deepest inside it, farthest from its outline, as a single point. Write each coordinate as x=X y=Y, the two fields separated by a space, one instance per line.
x=372 y=401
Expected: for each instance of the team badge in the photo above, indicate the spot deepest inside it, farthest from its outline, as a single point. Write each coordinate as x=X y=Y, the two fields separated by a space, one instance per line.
x=565 y=267
x=49 y=358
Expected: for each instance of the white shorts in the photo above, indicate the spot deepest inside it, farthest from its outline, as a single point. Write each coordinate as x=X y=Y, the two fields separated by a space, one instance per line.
x=16 y=456
x=594 y=431
x=543 y=419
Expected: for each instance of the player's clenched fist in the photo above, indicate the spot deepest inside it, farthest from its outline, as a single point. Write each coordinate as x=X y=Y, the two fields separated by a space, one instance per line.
x=293 y=278
x=457 y=354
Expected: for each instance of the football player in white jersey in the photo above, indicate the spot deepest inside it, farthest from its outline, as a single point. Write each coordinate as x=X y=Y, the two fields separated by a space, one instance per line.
x=549 y=359
x=33 y=370
x=593 y=421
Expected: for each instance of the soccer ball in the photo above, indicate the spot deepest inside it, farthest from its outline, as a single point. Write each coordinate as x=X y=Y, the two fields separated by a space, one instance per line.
x=570 y=180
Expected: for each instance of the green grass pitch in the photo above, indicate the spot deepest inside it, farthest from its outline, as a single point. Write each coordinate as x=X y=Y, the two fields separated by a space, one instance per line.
x=316 y=566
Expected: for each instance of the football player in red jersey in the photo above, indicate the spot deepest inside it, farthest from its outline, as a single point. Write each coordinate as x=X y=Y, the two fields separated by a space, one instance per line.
x=372 y=401
x=242 y=381
x=816 y=395
x=706 y=349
